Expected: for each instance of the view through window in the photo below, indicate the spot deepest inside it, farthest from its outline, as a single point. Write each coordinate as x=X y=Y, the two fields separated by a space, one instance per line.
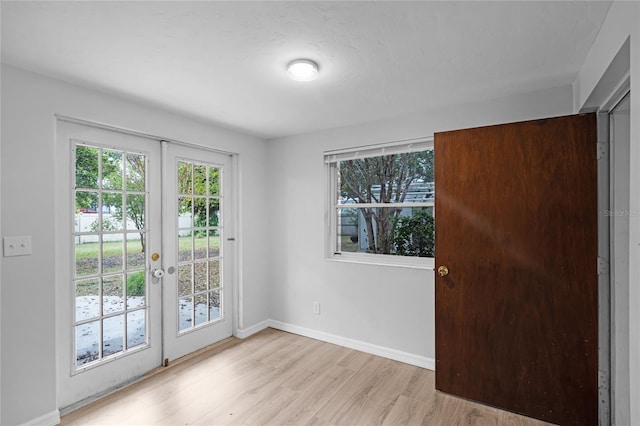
x=382 y=201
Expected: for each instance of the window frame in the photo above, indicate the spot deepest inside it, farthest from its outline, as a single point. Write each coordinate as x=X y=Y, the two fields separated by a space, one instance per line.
x=331 y=160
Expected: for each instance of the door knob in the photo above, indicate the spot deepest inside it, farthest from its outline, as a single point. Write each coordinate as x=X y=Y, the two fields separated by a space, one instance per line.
x=443 y=271
x=157 y=273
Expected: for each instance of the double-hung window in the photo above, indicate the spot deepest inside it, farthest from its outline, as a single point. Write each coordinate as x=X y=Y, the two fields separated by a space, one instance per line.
x=381 y=204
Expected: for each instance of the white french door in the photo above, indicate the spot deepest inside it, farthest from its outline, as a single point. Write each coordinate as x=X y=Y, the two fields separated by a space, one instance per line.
x=198 y=231
x=126 y=215
x=108 y=309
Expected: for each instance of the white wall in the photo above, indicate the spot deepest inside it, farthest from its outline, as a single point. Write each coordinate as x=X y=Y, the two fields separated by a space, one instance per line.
x=615 y=52
x=390 y=307
x=29 y=102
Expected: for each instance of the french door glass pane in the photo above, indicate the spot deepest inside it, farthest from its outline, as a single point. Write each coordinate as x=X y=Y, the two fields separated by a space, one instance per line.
x=200 y=276
x=214 y=212
x=87 y=342
x=135 y=251
x=185 y=171
x=185 y=247
x=111 y=212
x=135 y=172
x=135 y=212
x=110 y=259
x=200 y=245
x=185 y=313
x=86 y=254
x=199 y=258
x=215 y=305
x=112 y=335
x=86 y=167
x=136 y=290
x=185 y=215
x=112 y=253
x=87 y=202
x=214 y=181
x=136 y=328
x=199 y=212
x=111 y=170
x=113 y=294
x=200 y=308
x=214 y=274
x=199 y=179
x=184 y=279
x=87 y=299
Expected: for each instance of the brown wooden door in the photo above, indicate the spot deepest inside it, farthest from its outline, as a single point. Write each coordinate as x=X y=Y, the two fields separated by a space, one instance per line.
x=516 y=225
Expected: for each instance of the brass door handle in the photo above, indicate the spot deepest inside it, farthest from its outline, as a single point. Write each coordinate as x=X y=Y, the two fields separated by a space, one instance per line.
x=443 y=271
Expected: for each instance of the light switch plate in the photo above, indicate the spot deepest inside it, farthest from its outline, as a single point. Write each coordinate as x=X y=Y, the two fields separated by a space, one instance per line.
x=17 y=246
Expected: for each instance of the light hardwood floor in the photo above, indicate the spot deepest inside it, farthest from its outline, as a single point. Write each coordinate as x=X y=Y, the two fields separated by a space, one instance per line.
x=277 y=378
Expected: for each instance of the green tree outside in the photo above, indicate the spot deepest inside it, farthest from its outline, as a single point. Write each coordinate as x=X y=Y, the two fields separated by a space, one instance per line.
x=384 y=179
x=113 y=172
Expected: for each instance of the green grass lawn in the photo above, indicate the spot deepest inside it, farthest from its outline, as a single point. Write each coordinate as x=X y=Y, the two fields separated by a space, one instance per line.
x=87 y=263
x=90 y=250
x=347 y=245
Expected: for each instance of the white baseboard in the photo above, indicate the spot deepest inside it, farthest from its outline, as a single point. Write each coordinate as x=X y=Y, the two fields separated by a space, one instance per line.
x=52 y=418
x=243 y=333
x=406 y=357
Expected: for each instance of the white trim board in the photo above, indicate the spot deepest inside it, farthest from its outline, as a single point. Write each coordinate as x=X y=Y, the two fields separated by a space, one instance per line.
x=243 y=333
x=52 y=418
x=394 y=354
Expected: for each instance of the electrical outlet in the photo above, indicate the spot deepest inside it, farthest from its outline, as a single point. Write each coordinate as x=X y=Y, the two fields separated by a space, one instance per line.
x=17 y=246
x=316 y=308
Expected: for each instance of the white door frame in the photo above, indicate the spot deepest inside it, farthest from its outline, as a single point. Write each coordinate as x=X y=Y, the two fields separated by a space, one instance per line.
x=607 y=91
x=604 y=294
x=613 y=316
x=618 y=271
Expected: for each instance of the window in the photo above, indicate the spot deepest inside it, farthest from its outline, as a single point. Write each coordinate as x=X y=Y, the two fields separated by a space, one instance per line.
x=381 y=202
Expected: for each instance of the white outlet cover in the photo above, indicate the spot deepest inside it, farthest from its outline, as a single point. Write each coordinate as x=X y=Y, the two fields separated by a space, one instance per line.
x=17 y=246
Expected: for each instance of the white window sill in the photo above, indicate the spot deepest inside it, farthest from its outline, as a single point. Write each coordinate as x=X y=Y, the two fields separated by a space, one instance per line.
x=427 y=263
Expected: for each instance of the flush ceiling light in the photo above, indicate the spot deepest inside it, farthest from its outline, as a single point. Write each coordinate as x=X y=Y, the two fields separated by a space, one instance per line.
x=302 y=70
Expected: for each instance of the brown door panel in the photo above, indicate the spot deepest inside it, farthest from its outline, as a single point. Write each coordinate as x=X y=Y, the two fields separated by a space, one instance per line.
x=516 y=224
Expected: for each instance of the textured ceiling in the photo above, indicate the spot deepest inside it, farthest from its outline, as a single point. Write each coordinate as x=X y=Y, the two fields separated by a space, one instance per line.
x=224 y=62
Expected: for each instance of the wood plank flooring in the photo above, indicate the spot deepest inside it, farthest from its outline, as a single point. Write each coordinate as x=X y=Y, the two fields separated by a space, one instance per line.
x=278 y=378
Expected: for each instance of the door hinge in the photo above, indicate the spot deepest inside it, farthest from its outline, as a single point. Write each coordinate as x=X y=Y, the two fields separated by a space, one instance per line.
x=603 y=266
x=604 y=405
x=602 y=150
x=603 y=382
